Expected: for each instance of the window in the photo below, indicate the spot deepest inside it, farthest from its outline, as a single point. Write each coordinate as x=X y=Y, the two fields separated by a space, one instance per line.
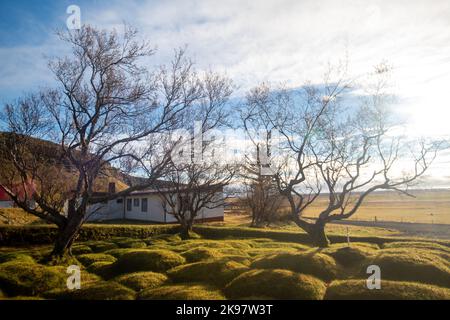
x=128 y=204
x=119 y=201
x=136 y=202
x=144 y=205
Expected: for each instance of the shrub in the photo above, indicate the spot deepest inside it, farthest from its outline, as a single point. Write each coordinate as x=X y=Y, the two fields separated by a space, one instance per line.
x=213 y=272
x=142 y=280
x=322 y=266
x=102 y=290
x=24 y=278
x=182 y=292
x=89 y=258
x=390 y=290
x=42 y=234
x=414 y=265
x=278 y=284
x=147 y=260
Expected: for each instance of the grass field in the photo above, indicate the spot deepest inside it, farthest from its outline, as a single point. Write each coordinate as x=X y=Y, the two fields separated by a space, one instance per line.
x=166 y=267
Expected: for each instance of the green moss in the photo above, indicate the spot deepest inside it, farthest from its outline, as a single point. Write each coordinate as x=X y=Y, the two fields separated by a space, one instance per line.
x=101 y=246
x=89 y=258
x=269 y=251
x=200 y=254
x=101 y=268
x=164 y=238
x=147 y=260
x=182 y=292
x=101 y=290
x=142 y=280
x=320 y=265
x=15 y=256
x=419 y=245
x=280 y=245
x=212 y=272
x=23 y=278
x=414 y=265
x=81 y=249
x=278 y=284
x=390 y=290
x=351 y=256
x=131 y=243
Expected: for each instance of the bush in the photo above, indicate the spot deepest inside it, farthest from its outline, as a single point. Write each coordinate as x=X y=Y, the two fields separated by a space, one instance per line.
x=101 y=290
x=43 y=234
x=182 y=292
x=390 y=290
x=89 y=258
x=322 y=266
x=147 y=260
x=24 y=278
x=142 y=280
x=414 y=265
x=277 y=284
x=213 y=272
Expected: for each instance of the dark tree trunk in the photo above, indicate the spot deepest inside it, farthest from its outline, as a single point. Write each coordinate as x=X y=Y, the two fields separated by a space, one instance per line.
x=66 y=236
x=186 y=228
x=318 y=235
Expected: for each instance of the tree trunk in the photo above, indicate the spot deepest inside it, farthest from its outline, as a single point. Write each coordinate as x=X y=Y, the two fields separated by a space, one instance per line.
x=66 y=237
x=186 y=228
x=318 y=235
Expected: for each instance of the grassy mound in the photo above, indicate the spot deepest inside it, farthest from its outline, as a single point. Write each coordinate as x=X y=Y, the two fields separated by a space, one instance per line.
x=213 y=272
x=200 y=254
x=24 y=278
x=163 y=238
x=147 y=260
x=278 y=284
x=414 y=265
x=89 y=258
x=419 y=245
x=142 y=280
x=101 y=268
x=279 y=245
x=81 y=249
x=130 y=243
x=15 y=256
x=319 y=265
x=390 y=290
x=353 y=255
x=101 y=246
x=101 y=290
x=182 y=292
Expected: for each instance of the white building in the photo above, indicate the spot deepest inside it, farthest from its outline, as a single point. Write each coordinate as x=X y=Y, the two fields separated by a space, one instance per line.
x=146 y=205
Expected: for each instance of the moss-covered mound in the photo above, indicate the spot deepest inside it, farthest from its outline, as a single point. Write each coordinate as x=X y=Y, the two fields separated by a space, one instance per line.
x=147 y=260
x=11 y=256
x=130 y=243
x=201 y=254
x=319 y=265
x=101 y=246
x=213 y=272
x=101 y=268
x=89 y=258
x=352 y=255
x=142 y=280
x=102 y=290
x=81 y=249
x=390 y=290
x=414 y=265
x=24 y=278
x=182 y=292
x=277 y=284
x=418 y=244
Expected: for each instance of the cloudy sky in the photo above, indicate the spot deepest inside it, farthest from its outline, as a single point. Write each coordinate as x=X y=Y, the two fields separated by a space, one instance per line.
x=261 y=40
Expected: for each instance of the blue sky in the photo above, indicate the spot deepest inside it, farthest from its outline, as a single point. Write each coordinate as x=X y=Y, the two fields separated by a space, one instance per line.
x=288 y=41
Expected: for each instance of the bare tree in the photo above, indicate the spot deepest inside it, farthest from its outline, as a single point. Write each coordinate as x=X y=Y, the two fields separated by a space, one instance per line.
x=108 y=110
x=197 y=173
x=341 y=146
